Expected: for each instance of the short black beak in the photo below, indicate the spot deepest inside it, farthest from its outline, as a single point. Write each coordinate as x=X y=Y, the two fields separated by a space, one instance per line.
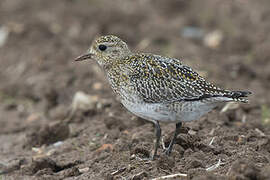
x=84 y=57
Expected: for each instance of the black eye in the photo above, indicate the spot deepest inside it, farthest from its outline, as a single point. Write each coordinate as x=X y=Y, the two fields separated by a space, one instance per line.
x=102 y=47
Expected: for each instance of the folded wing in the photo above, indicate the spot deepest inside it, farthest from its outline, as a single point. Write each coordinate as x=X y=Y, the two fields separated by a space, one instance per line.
x=160 y=79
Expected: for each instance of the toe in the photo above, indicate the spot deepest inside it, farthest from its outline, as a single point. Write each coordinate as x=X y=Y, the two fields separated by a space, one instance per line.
x=167 y=151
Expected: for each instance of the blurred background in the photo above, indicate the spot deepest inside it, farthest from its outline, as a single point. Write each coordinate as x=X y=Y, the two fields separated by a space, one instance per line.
x=60 y=119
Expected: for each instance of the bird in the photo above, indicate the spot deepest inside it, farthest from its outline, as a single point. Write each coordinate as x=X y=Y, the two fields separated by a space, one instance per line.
x=157 y=88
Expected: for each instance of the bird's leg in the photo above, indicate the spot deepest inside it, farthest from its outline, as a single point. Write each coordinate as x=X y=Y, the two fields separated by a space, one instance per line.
x=158 y=134
x=176 y=132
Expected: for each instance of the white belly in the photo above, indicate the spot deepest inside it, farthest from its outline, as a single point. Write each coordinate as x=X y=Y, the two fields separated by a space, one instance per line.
x=171 y=113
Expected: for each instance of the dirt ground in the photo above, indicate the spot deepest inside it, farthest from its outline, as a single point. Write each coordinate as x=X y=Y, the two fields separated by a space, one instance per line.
x=43 y=136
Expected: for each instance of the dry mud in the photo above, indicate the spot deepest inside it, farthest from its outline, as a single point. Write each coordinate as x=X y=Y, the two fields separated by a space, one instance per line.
x=39 y=80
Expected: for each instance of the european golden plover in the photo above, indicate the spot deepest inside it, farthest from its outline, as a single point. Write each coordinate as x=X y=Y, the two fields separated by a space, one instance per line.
x=157 y=88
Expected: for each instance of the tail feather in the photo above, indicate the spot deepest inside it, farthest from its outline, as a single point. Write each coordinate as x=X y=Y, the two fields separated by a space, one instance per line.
x=239 y=96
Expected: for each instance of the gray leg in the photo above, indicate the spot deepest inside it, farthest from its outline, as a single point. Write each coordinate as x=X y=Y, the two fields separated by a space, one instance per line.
x=176 y=132
x=158 y=134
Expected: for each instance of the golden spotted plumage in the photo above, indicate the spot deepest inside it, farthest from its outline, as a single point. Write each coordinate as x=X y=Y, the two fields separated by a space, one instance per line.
x=155 y=87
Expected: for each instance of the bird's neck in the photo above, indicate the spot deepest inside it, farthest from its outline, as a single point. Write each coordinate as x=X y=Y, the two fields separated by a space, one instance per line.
x=115 y=63
x=117 y=70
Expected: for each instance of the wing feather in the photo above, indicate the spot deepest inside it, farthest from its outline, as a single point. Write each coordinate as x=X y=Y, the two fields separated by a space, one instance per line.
x=161 y=79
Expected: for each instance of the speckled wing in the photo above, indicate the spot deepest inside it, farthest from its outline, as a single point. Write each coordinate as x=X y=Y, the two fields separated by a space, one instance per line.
x=160 y=79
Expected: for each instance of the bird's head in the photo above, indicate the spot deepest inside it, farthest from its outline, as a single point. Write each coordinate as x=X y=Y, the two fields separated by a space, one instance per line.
x=105 y=50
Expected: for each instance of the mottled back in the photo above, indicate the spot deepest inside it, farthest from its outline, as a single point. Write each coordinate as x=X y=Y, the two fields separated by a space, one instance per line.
x=161 y=79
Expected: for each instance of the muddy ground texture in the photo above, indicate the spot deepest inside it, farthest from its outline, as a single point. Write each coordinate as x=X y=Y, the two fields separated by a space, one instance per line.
x=60 y=120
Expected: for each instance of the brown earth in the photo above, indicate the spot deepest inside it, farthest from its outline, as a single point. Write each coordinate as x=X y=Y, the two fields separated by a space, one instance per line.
x=41 y=138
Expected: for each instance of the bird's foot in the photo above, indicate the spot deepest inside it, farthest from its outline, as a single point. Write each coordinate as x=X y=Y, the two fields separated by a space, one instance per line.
x=167 y=151
x=153 y=156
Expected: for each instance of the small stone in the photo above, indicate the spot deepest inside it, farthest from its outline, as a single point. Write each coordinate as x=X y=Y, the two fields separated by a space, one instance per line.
x=84 y=170
x=105 y=147
x=97 y=86
x=213 y=39
x=192 y=32
x=229 y=106
x=33 y=117
x=4 y=32
x=83 y=101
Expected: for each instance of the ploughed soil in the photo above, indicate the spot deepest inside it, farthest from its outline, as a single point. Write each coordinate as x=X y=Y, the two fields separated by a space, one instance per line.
x=60 y=120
